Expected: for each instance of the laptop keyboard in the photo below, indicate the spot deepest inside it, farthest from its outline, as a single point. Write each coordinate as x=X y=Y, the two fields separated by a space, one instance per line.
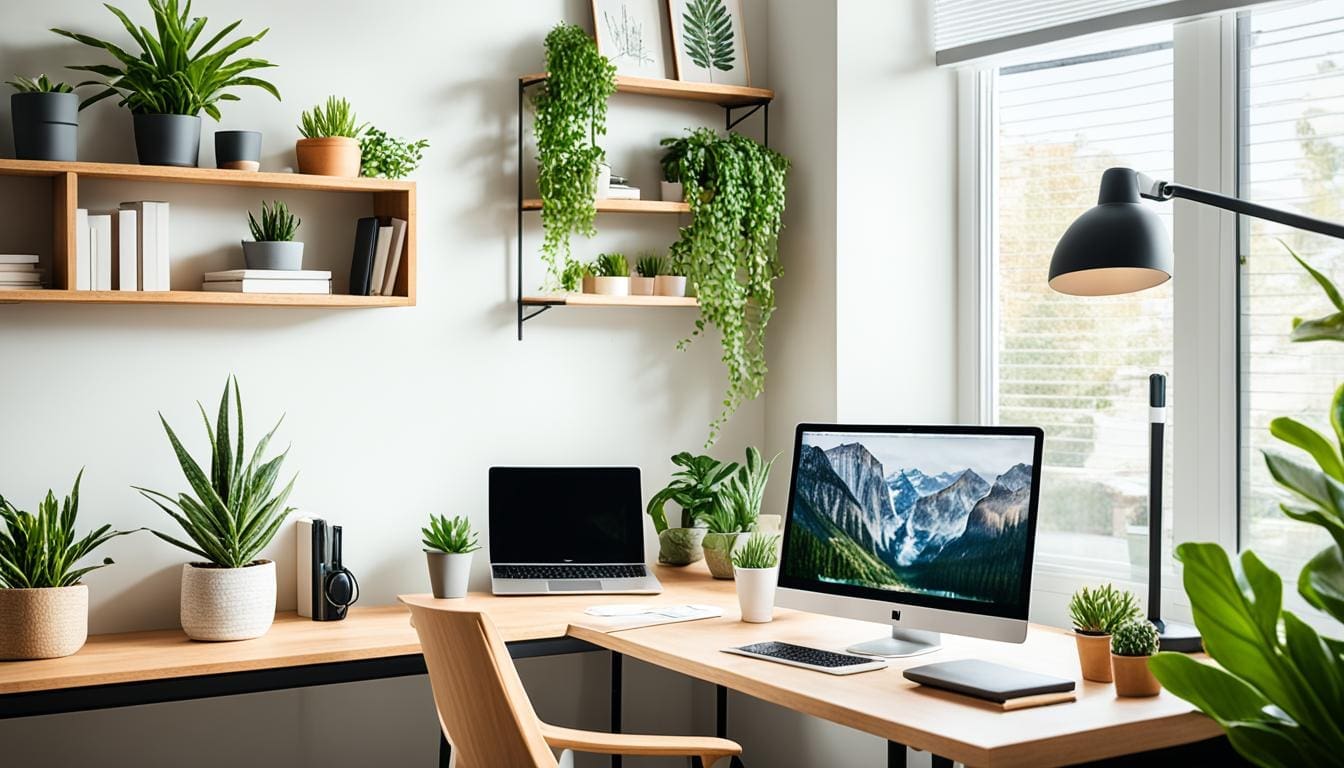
x=800 y=654
x=575 y=571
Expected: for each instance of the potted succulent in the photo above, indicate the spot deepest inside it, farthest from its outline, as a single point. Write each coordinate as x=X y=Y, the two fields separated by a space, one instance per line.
x=670 y=188
x=166 y=86
x=669 y=285
x=756 y=571
x=1096 y=614
x=238 y=150
x=612 y=277
x=330 y=143
x=694 y=488
x=1132 y=644
x=448 y=547
x=230 y=516
x=272 y=245
x=648 y=268
x=733 y=516
x=387 y=157
x=44 y=607
x=45 y=117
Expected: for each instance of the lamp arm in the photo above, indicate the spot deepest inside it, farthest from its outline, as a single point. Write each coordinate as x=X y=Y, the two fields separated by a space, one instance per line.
x=1163 y=190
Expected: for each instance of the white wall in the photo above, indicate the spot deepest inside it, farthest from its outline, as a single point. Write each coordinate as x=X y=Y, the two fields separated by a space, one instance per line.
x=393 y=414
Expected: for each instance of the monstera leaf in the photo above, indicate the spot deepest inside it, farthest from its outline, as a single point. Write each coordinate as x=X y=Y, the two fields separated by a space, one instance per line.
x=709 y=35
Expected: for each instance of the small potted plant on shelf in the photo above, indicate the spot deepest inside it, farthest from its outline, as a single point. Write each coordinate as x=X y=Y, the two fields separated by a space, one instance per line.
x=1132 y=644
x=45 y=116
x=756 y=571
x=666 y=282
x=670 y=188
x=694 y=488
x=330 y=143
x=649 y=267
x=238 y=150
x=44 y=607
x=1096 y=614
x=448 y=547
x=230 y=516
x=612 y=277
x=272 y=245
x=166 y=86
x=734 y=514
x=387 y=157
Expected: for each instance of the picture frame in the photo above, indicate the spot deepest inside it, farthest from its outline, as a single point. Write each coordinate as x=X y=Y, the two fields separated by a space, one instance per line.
x=709 y=41
x=633 y=35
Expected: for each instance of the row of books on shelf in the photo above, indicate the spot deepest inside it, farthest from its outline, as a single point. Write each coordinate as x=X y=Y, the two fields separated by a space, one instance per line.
x=373 y=271
x=123 y=250
x=19 y=272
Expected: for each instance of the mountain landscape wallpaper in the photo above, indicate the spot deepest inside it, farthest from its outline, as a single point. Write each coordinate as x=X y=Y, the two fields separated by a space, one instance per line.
x=941 y=515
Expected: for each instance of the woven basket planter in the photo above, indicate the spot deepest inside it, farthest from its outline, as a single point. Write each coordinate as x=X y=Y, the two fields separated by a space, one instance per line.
x=43 y=623
x=228 y=603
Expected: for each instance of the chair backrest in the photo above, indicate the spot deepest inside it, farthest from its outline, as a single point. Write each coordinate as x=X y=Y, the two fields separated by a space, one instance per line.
x=482 y=705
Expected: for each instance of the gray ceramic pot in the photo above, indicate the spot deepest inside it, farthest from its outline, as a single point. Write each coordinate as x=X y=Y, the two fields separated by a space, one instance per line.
x=448 y=573
x=46 y=125
x=168 y=139
x=272 y=254
x=238 y=150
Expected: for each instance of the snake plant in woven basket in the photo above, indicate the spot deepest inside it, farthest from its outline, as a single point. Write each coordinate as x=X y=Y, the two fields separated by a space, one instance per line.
x=39 y=551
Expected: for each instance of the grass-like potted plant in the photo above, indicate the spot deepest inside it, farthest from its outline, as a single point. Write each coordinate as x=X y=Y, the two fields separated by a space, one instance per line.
x=330 y=143
x=648 y=267
x=756 y=571
x=694 y=488
x=1132 y=644
x=387 y=157
x=448 y=547
x=1096 y=614
x=167 y=86
x=45 y=116
x=229 y=594
x=612 y=276
x=734 y=513
x=44 y=605
x=272 y=245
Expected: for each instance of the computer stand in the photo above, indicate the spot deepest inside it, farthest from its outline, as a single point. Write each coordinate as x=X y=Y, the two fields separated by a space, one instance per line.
x=903 y=642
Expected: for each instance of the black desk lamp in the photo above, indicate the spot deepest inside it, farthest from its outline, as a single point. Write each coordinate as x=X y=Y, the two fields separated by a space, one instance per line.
x=1121 y=247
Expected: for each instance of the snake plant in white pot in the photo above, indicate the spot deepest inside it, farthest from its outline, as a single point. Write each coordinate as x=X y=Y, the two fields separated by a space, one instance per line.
x=230 y=593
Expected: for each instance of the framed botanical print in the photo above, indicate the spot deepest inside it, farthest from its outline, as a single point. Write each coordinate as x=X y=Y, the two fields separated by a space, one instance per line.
x=632 y=34
x=710 y=41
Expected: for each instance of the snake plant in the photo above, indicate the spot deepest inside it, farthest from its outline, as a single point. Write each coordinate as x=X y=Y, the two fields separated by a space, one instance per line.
x=39 y=551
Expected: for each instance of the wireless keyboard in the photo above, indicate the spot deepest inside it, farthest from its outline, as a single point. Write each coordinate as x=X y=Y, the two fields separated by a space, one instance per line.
x=809 y=658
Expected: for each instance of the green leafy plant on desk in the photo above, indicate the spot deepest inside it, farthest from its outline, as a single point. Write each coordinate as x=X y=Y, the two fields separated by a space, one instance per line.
x=451 y=536
x=735 y=512
x=1096 y=613
x=694 y=488
x=1278 y=687
x=449 y=543
x=759 y=551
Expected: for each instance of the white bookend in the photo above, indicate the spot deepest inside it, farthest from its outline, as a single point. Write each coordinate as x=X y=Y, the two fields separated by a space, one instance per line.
x=83 y=254
x=394 y=256
x=125 y=237
x=380 y=261
x=100 y=240
x=162 y=241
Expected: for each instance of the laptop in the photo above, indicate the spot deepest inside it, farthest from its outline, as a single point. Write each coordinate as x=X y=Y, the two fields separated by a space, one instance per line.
x=567 y=530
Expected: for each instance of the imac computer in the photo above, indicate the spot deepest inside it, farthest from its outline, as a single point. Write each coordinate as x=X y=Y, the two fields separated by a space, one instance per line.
x=929 y=528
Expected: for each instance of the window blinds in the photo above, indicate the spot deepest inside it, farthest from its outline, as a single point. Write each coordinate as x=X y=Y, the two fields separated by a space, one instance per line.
x=973 y=29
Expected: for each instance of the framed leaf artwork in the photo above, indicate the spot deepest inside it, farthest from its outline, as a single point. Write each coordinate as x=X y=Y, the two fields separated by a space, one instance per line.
x=633 y=35
x=710 y=41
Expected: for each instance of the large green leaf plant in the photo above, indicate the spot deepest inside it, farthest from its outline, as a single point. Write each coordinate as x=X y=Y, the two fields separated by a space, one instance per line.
x=1278 y=689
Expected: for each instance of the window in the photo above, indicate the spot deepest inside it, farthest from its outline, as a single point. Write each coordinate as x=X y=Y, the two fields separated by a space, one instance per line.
x=1291 y=155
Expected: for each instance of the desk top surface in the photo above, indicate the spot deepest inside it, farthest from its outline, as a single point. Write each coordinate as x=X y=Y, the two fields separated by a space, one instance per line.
x=883 y=703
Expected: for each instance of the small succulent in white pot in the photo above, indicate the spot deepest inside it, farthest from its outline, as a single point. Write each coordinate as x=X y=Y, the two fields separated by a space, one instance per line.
x=233 y=515
x=756 y=571
x=448 y=547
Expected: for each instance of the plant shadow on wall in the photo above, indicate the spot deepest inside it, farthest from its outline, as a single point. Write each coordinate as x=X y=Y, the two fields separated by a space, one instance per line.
x=1278 y=689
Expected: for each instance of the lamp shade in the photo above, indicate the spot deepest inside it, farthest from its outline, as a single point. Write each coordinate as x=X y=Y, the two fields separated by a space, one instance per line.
x=1117 y=247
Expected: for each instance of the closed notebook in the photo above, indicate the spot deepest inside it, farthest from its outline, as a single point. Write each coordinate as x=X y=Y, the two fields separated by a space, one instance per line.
x=987 y=680
x=361 y=265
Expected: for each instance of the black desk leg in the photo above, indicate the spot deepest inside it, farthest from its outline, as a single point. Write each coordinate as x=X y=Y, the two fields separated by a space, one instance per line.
x=615 y=701
x=895 y=755
x=445 y=751
x=721 y=712
x=940 y=762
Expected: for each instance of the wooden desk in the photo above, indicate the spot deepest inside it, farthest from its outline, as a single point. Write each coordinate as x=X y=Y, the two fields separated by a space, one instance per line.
x=376 y=642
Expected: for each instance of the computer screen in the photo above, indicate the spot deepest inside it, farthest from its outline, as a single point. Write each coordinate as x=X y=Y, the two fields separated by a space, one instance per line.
x=566 y=515
x=942 y=517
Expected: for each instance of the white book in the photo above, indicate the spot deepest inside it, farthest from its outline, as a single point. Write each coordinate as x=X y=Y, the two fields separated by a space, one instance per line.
x=144 y=244
x=125 y=238
x=100 y=242
x=268 y=286
x=623 y=193
x=33 y=279
x=161 y=241
x=380 y=260
x=18 y=258
x=21 y=269
x=83 y=256
x=268 y=274
x=394 y=256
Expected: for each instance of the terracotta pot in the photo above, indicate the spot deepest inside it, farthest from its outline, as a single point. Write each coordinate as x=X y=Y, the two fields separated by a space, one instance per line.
x=641 y=286
x=669 y=285
x=681 y=546
x=1094 y=656
x=1133 y=677
x=332 y=156
x=611 y=286
x=719 y=549
x=43 y=623
x=227 y=603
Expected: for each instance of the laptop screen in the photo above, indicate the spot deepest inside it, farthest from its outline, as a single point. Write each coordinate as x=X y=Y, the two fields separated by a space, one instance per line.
x=566 y=515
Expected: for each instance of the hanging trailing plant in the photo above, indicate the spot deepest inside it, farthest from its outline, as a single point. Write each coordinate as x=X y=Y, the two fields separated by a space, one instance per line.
x=571 y=112
x=730 y=250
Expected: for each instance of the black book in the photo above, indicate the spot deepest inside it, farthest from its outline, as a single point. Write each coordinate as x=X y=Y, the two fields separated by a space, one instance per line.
x=987 y=680
x=361 y=267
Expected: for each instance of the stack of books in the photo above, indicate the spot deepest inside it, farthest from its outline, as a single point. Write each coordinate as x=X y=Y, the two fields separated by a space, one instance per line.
x=373 y=272
x=19 y=272
x=620 y=189
x=122 y=250
x=268 y=281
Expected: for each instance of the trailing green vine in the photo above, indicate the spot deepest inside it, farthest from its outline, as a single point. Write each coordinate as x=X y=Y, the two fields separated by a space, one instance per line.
x=730 y=250
x=571 y=112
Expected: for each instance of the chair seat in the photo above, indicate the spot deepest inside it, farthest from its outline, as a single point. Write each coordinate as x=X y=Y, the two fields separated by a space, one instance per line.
x=707 y=748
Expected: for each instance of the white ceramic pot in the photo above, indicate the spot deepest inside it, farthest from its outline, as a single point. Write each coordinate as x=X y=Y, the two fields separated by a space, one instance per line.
x=641 y=286
x=672 y=191
x=756 y=593
x=43 y=623
x=228 y=603
x=611 y=286
x=449 y=573
x=603 y=181
x=669 y=285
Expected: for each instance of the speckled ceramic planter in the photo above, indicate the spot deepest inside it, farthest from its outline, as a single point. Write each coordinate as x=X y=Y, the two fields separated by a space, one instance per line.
x=43 y=623
x=681 y=546
x=228 y=603
x=718 y=549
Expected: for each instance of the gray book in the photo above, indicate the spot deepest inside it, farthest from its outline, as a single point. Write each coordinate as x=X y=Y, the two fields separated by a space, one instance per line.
x=987 y=680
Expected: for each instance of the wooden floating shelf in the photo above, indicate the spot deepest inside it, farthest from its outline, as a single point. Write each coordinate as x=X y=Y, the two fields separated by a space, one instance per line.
x=623 y=206
x=202 y=298
x=709 y=93
x=600 y=300
x=208 y=176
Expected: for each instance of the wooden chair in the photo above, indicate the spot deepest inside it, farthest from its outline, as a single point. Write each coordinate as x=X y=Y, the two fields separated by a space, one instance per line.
x=486 y=714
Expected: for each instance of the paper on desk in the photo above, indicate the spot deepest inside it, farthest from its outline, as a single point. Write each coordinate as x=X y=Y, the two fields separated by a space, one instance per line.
x=632 y=616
